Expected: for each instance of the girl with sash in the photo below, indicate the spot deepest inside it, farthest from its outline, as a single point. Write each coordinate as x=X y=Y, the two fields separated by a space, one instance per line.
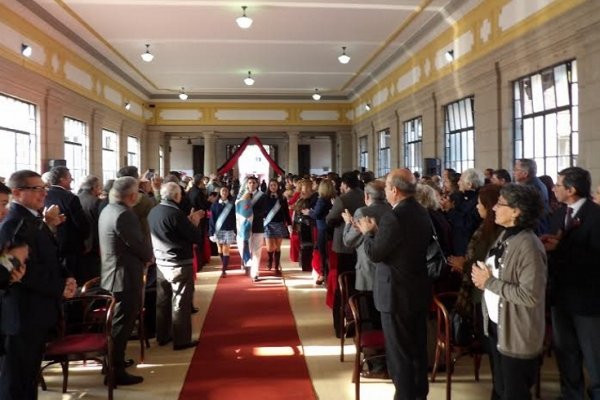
x=222 y=226
x=276 y=224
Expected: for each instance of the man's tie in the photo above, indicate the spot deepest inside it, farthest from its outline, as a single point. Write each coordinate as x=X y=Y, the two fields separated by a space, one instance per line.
x=569 y=219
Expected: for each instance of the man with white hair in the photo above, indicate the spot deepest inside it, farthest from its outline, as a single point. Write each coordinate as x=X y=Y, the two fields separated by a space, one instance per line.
x=124 y=254
x=173 y=236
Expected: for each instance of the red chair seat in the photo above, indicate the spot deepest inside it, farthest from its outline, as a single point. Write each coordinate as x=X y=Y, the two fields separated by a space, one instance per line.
x=77 y=344
x=372 y=339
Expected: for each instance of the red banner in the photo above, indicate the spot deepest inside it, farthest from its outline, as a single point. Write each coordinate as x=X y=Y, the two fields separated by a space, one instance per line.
x=228 y=165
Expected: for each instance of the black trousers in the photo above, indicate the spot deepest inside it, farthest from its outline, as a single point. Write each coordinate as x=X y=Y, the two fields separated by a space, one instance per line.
x=127 y=309
x=577 y=343
x=20 y=365
x=346 y=262
x=406 y=353
x=512 y=377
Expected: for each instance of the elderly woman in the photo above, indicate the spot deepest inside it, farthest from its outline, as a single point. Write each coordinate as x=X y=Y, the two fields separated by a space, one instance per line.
x=513 y=278
x=462 y=214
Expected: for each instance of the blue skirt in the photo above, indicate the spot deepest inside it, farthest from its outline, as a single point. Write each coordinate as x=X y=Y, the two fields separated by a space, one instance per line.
x=275 y=230
x=225 y=237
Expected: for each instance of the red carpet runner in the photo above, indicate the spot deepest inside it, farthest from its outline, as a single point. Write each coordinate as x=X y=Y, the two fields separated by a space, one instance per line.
x=249 y=347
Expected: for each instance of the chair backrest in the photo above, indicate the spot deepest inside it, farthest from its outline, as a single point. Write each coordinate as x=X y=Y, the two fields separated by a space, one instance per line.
x=346 y=285
x=442 y=302
x=88 y=313
x=359 y=304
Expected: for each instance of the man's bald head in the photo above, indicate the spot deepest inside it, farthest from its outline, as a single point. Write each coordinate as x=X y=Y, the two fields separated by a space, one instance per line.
x=400 y=183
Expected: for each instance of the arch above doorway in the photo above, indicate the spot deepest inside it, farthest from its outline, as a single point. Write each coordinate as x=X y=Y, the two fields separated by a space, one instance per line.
x=229 y=164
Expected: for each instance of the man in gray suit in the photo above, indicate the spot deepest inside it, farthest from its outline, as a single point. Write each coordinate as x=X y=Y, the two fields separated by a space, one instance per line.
x=365 y=268
x=124 y=254
x=398 y=244
x=351 y=198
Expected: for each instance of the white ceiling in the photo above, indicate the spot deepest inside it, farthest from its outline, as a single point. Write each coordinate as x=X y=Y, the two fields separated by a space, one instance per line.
x=291 y=48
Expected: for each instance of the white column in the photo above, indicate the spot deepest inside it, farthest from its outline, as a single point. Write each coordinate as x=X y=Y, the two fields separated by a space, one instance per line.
x=210 y=165
x=293 y=152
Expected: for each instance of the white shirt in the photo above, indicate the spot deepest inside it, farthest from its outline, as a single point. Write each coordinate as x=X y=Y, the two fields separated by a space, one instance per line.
x=492 y=300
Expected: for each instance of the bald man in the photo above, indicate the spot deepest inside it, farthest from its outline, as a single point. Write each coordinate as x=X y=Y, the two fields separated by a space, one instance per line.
x=398 y=244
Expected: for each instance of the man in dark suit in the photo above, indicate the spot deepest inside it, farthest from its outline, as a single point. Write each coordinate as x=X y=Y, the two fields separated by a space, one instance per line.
x=124 y=254
x=91 y=188
x=72 y=233
x=351 y=198
x=30 y=309
x=573 y=254
x=398 y=244
x=173 y=234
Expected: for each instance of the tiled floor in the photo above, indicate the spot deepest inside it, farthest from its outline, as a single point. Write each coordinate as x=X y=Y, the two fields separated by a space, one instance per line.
x=165 y=369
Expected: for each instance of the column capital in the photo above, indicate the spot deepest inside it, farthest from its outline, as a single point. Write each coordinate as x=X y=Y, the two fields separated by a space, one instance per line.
x=293 y=134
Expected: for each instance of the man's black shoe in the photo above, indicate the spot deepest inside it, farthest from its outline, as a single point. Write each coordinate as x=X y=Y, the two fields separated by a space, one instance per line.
x=128 y=379
x=164 y=342
x=184 y=346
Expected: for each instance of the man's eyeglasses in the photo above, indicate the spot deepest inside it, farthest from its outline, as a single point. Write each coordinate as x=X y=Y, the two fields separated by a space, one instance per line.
x=33 y=188
x=502 y=204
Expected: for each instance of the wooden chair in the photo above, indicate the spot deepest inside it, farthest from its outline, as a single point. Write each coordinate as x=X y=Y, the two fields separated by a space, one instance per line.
x=445 y=343
x=84 y=334
x=372 y=340
x=346 y=288
x=93 y=284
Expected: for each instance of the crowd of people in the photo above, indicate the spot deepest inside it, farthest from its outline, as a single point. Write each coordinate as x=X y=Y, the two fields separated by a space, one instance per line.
x=520 y=252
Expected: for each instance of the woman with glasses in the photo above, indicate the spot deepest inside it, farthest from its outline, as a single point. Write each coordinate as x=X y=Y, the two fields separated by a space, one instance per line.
x=513 y=278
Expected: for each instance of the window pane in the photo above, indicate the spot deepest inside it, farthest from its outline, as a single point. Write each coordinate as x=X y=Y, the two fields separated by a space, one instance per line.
x=538 y=95
x=550 y=135
x=18 y=128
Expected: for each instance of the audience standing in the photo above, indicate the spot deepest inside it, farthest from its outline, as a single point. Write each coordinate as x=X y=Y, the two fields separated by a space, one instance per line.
x=574 y=251
x=398 y=244
x=513 y=278
x=125 y=253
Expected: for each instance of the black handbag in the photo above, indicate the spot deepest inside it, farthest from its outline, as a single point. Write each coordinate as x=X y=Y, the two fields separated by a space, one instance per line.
x=437 y=265
x=462 y=329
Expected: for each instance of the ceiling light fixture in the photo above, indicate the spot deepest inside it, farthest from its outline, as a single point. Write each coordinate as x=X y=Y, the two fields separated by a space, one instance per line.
x=127 y=106
x=182 y=94
x=316 y=95
x=344 y=58
x=249 y=81
x=449 y=55
x=368 y=106
x=147 y=56
x=26 y=50
x=244 y=22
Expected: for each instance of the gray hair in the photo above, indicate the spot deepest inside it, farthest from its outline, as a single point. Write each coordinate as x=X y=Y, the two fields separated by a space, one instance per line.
x=169 y=190
x=57 y=173
x=528 y=165
x=19 y=179
x=405 y=186
x=123 y=187
x=427 y=197
x=473 y=177
x=375 y=189
x=89 y=183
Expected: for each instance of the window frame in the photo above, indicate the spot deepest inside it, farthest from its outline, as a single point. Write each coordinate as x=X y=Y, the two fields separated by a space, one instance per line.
x=110 y=173
x=24 y=135
x=413 y=144
x=363 y=152
x=384 y=152
x=459 y=134
x=527 y=122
